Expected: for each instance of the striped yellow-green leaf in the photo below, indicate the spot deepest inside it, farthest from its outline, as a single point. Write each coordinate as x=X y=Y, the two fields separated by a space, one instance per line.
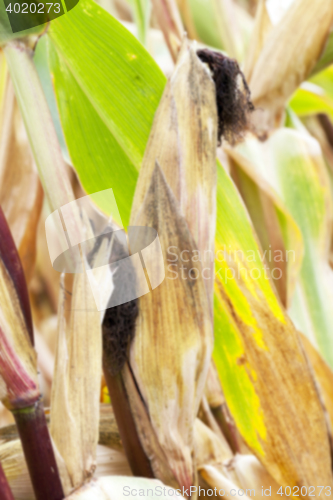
x=292 y=164
x=266 y=379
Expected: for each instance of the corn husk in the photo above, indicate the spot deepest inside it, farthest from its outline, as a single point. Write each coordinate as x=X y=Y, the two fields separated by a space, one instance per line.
x=180 y=205
x=187 y=116
x=171 y=351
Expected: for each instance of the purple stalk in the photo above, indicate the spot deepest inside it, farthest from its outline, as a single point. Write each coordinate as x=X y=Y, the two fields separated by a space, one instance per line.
x=23 y=396
x=38 y=451
x=11 y=259
x=5 y=491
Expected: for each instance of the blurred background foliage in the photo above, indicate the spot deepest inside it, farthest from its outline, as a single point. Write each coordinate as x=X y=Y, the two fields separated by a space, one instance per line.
x=103 y=68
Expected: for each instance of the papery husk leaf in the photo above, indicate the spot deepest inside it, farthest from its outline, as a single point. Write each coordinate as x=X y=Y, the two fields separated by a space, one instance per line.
x=260 y=360
x=171 y=351
x=21 y=193
x=77 y=378
x=290 y=53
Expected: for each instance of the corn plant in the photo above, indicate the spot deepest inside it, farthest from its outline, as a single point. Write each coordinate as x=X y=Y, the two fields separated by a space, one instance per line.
x=166 y=246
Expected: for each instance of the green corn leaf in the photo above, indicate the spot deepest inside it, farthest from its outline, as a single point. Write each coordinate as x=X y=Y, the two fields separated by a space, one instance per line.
x=107 y=88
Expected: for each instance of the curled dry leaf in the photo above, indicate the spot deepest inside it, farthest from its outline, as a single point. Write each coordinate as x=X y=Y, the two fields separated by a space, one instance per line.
x=290 y=52
x=76 y=386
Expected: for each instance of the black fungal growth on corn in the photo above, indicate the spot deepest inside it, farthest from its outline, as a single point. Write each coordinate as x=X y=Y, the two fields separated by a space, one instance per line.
x=232 y=95
x=119 y=322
